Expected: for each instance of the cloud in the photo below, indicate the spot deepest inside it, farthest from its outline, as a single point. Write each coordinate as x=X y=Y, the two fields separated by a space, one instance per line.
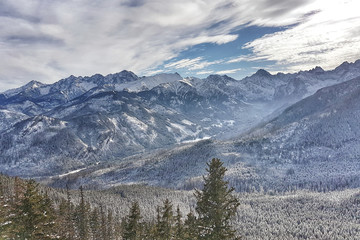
x=192 y=64
x=48 y=40
x=230 y=71
x=248 y=58
x=206 y=72
x=153 y=72
x=326 y=39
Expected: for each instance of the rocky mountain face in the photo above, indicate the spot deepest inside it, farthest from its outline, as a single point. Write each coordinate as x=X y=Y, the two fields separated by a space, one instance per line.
x=87 y=122
x=313 y=144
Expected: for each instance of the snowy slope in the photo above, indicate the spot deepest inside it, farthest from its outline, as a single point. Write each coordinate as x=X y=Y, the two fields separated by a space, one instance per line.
x=107 y=118
x=313 y=144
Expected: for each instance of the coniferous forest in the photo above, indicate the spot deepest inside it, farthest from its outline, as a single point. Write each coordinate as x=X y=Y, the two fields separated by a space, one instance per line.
x=27 y=212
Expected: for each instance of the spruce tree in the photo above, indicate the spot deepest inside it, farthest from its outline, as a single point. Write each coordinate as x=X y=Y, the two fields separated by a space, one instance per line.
x=103 y=226
x=110 y=226
x=33 y=217
x=94 y=224
x=179 y=228
x=4 y=209
x=132 y=223
x=216 y=204
x=83 y=217
x=165 y=226
x=46 y=227
x=63 y=212
x=190 y=227
x=69 y=217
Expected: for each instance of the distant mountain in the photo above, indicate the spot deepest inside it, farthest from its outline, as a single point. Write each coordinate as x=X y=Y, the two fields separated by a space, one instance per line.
x=313 y=144
x=79 y=122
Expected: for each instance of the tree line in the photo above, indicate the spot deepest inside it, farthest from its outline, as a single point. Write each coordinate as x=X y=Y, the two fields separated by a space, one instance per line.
x=27 y=213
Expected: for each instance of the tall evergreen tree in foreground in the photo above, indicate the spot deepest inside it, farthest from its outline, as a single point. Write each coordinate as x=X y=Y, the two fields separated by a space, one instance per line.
x=165 y=225
x=179 y=227
x=33 y=216
x=215 y=204
x=82 y=214
x=132 y=223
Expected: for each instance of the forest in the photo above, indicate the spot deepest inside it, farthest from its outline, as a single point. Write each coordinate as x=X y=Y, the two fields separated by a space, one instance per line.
x=27 y=212
x=145 y=212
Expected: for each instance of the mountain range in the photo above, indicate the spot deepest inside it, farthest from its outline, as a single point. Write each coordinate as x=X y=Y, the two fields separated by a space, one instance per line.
x=274 y=132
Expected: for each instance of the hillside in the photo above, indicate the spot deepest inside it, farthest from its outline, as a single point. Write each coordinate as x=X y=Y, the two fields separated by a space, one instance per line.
x=50 y=129
x=312 y=144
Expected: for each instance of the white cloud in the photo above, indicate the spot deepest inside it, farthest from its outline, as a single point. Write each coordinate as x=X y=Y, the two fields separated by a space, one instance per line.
x=326 y=38
x=47 y=40
x=153 y=72
x=204 y=72
x=192 y=64
x=230 y=71
x=248 y=58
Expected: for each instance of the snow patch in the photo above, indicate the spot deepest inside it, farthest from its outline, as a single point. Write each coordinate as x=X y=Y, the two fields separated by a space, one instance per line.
x=196 y=140
x=187 y=122
x=113 y=121
x=87 y=85
x=71 y=172
x=44 y=90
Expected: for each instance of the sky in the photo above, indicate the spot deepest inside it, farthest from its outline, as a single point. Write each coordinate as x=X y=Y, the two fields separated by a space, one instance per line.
x=47 y=40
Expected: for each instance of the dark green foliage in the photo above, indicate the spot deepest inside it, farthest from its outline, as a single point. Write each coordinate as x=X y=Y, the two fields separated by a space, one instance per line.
x=179 y=227
x=165 y=225
x=190 y=227
x=32 y=216
x=216 y=205
x=110 y=226
x=28 y=213
x=65 y=221
x=82 y=217
x=132 y=223
x=103 y=226
x=94 y=224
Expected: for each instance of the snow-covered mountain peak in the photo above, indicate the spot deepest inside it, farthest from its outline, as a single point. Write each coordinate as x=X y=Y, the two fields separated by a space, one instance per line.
x=29 y=86
x=344 y=66
x=262 y=73
x=34 y=84
x=121 y=77
x=216 y=79
x=146 y=83
x=317 y=70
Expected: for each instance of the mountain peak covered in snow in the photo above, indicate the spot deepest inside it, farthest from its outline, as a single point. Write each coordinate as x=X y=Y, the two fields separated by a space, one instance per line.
x=103 y=118
x=317 y=70
x=262 y=73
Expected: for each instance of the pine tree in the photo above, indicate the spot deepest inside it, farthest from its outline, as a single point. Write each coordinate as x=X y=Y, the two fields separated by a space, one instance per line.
x=110 y=226
x=63 y=212
x=94 y=224
x=179 y=228
x=103 y=227
x=46 y=228
x=165 y=226
x=33 y=217
x=190 y=227
x=117 y=226
x=83 y=217
x=132 y=223
x=215 y=204
x=69 y=217
x=4 y=209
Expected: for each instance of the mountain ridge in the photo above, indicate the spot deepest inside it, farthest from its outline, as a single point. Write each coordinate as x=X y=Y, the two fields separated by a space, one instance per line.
x=317 y=149
x=105 y=124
